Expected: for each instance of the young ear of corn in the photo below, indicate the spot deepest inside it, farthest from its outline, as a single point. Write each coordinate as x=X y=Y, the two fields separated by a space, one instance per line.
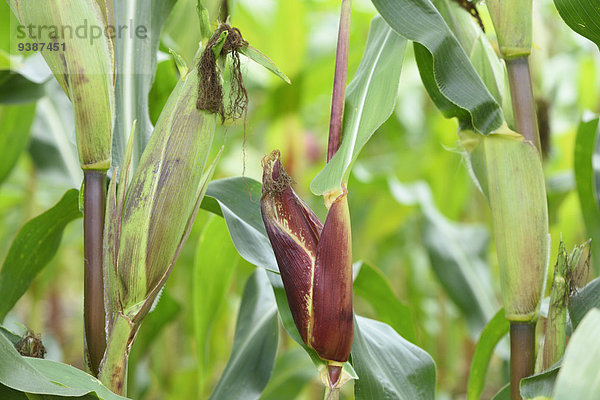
x=315 y=262
x=509 y=171
x=555 y=335
x=85 y=69
x=148 y=219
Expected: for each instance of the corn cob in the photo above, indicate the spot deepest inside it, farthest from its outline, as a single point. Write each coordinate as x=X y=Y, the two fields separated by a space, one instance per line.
x=315 y=262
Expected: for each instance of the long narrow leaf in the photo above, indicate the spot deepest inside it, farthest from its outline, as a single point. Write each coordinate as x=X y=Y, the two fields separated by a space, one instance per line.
x=45 y=377
x=237 y=199
x=582 y=16
x=583 y=301
x=15 y=128
x=585 y=144
x=255 y=345
x=374 y=287
x=388 y=366
x=370 y=100
x=136 y=63
x=449 y=72
x=495 y=330
x=216 y=260
x=33 y=247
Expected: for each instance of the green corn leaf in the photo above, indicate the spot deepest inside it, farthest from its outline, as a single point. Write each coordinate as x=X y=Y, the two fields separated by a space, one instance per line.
x=136 y=63
x=388 y=366
x=33 y=247
x=370 y=100
x=166 y=312
x=539 y=386
x=180 y=62
x=44 y=377
x=475 y=44
x=503 y=394
x=457 y=253
x=237 y=200
x=255 y=344
x=446 y=71
x=584 y=301
x=579 y=376
x=373 y=286
x=216 y=259
x=204 y=18
x=15 y=128
x=585 y=144
x=582 y=16
x=53 y=148
x=292 y=373
x=495 y=330
x=288 y=321
x=265 y=61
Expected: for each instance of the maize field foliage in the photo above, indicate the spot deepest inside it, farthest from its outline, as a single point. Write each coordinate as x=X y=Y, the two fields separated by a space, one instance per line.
x=223 y=273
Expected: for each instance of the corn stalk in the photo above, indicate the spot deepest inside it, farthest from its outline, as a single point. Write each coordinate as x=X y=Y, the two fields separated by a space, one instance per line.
x=86 y=72
x=512 y=20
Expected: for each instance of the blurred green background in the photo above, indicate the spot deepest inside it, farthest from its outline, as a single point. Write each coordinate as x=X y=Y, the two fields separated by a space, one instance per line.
x=416 y=213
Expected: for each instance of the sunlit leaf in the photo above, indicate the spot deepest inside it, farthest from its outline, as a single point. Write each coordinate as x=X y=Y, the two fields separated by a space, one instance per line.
x=265 y=61
x=370 y=100
x=33 y=247
x=446 y=71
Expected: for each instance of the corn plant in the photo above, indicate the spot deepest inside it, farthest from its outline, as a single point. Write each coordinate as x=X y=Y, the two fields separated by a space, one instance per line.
x=449 y=174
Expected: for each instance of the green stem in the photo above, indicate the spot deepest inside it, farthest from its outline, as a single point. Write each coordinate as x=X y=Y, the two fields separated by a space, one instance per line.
x=113 y=372
x=522 y=355
x=521 y=90
x=331 y=394
x=93 y=297
x=339 y=81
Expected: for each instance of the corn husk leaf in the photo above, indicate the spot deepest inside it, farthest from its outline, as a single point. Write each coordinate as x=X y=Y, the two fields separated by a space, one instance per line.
x=509 y=172
x=85 y=69
x=512 y=20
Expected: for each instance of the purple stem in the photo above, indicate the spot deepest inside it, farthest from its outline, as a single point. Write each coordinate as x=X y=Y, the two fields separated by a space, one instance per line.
x=339 y=81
